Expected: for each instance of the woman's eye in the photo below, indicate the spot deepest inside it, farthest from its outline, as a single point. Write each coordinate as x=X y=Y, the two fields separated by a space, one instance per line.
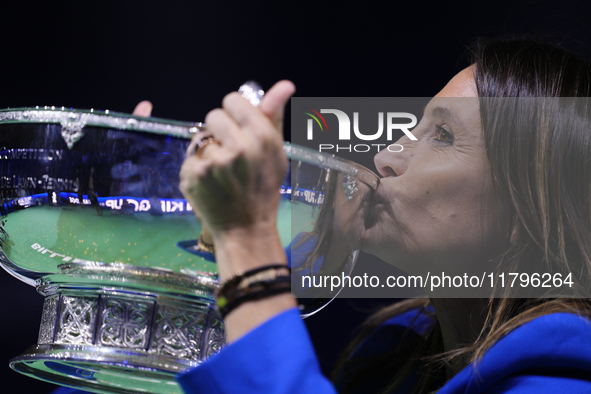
x=444 y=135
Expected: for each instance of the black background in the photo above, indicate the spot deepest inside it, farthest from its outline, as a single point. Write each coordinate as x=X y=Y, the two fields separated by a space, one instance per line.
x=185 y=56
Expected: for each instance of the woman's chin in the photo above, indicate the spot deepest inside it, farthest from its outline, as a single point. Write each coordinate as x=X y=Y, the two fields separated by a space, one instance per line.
x=379 y=247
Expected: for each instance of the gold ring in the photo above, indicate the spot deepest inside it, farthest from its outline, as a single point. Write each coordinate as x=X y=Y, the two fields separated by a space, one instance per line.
x=203 y=142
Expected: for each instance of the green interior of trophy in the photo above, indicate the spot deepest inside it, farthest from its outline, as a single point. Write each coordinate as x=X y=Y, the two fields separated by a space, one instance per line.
x=42 y=237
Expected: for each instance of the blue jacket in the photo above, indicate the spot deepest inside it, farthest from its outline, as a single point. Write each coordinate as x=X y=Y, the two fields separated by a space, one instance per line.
x=551 y=354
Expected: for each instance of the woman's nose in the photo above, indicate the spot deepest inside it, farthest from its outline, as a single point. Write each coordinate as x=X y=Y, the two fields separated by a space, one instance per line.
x=393 y=160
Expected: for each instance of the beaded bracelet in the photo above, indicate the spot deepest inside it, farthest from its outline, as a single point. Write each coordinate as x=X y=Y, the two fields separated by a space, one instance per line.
x=255 y=284
x=230 y=284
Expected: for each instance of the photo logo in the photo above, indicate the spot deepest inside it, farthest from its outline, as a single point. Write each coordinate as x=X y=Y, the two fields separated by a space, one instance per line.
x=392 y=121
x=316 y=119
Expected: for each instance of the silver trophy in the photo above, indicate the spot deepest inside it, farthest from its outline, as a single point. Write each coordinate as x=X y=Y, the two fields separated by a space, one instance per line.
x=91 y=215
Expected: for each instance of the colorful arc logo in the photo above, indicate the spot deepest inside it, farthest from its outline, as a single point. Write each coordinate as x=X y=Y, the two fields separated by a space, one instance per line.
x=315 y=117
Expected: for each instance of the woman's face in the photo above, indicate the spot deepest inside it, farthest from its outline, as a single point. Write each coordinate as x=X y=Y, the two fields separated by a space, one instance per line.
x=435 y=205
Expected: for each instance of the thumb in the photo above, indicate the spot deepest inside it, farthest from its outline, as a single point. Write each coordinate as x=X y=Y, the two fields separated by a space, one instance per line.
x=144 y=109
x=274 y=101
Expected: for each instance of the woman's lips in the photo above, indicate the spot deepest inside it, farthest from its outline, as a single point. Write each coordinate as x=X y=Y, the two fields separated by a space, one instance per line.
x=376 y=203
x=379 y=195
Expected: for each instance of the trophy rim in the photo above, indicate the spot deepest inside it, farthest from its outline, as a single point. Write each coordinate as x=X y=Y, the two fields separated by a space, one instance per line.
x=122 y=121
x=330 y=161
x=111 y=359
x=99 y=118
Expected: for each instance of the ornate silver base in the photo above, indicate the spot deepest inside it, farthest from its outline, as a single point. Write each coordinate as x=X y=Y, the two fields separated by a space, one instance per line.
x=120 y=339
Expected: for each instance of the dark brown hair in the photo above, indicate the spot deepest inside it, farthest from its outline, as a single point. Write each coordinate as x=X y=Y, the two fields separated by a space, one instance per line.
x=540 y=156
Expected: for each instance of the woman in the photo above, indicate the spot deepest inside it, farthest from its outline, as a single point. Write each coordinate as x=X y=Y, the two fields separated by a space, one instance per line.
x=489 y=183
x=467 y=191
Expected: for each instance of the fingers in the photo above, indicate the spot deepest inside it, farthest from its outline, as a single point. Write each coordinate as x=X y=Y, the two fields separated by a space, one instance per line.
x=240 y=109
x=272 y=105
x=229 y=125
x=199 y=143
x=144 y=108
x=274 y=101
x=222 y=125
x=243 y=166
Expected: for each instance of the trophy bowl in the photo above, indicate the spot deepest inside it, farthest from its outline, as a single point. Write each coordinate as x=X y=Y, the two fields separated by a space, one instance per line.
x=91 y=215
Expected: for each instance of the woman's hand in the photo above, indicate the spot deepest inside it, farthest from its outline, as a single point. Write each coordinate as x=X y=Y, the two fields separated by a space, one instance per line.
x=235 y=182
x=234 y=185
